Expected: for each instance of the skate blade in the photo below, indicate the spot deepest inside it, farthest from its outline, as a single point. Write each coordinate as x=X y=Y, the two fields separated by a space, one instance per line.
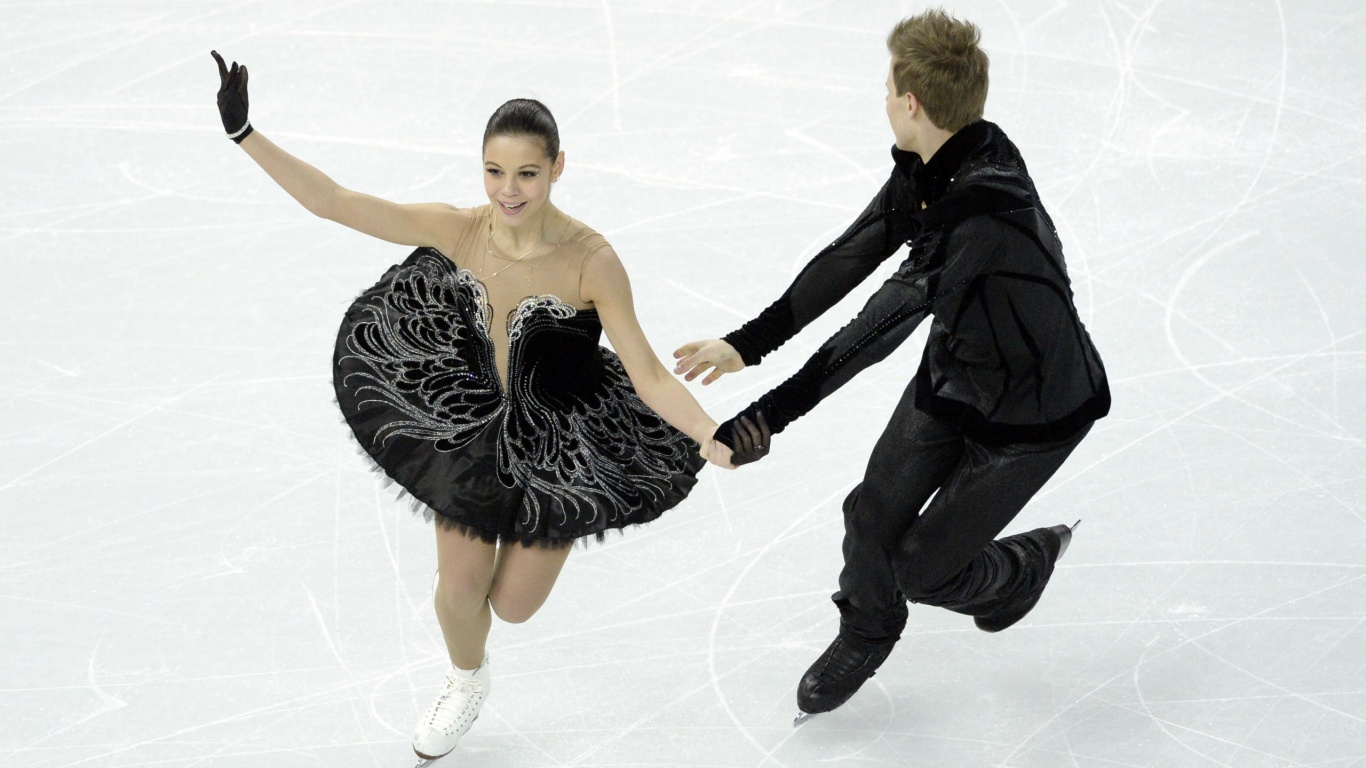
x=802 y=717
x=423 y=762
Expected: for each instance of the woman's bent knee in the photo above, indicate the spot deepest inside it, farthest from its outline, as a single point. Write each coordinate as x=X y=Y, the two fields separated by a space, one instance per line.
x=512 y=611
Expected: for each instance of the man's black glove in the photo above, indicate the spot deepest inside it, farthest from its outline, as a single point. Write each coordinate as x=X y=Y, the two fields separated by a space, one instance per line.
x=747 y=441
x=232 y=99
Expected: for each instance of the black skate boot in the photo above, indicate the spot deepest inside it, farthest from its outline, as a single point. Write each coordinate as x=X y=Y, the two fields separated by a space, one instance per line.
x=839 y=673
x=1012 y=612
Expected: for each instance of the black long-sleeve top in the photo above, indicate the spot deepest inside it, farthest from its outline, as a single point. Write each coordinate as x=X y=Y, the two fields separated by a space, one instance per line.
x=1007 y=360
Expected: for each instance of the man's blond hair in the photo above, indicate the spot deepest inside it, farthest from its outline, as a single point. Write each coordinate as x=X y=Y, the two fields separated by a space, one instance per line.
x=936 y=57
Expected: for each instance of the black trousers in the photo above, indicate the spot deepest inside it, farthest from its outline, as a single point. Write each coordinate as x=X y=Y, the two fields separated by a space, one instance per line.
x=898 y=547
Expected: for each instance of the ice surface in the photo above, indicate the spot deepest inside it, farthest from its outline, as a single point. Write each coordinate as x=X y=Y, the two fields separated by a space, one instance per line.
x=197 y=570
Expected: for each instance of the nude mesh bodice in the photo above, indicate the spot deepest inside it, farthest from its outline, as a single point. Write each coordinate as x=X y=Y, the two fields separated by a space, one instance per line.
x=557 y=272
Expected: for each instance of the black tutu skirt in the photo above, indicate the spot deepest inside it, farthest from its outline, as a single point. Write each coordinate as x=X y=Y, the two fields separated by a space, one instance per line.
x=564 y=451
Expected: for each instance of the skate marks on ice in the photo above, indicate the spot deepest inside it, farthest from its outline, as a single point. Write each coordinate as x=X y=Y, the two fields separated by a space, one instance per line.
x=187 y=532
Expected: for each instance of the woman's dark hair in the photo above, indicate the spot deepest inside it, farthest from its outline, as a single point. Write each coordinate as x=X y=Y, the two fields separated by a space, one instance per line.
x=528 y=118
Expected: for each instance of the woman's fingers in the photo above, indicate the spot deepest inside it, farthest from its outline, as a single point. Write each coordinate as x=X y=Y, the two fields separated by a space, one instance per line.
x=232 y=98
x=222 y=68
x=720 y=455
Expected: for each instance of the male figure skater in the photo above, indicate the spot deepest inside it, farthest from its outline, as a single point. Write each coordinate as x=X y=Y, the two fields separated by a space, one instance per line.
x=1009 y=382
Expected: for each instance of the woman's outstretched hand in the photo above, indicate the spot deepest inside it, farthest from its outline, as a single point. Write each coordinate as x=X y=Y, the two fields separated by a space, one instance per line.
x=232 y=99
x=697 y=357
x=717 y=452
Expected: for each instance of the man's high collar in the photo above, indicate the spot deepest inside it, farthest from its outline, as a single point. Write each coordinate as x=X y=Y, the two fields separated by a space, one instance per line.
x=932 y=178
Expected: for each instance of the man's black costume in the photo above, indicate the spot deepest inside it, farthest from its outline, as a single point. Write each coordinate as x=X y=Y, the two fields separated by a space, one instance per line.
x=1008 y=385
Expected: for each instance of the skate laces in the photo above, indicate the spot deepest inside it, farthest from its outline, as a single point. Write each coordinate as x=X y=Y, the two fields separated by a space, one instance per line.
x=457 y=697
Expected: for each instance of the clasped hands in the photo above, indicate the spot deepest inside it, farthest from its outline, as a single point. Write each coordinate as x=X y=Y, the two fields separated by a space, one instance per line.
x=749 y=439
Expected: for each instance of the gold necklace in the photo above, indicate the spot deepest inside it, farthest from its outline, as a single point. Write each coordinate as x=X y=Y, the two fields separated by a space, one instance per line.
x=489 y=250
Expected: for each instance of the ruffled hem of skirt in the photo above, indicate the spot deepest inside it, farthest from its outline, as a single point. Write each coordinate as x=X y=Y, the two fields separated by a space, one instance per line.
x=432 y=515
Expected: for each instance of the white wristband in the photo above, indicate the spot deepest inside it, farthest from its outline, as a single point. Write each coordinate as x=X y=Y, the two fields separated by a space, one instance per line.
x=241 y=130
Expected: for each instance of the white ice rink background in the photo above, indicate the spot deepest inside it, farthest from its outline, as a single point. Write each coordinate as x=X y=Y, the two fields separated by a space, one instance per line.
x=197 y=570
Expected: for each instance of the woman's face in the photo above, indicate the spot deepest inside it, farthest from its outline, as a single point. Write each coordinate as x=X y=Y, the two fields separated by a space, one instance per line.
x=517 y=177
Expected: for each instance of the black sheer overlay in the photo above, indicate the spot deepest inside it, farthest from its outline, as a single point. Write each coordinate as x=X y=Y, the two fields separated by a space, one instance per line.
x=1008 y=359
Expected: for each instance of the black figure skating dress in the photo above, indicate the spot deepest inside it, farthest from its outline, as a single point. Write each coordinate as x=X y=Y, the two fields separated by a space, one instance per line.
x=492 y=404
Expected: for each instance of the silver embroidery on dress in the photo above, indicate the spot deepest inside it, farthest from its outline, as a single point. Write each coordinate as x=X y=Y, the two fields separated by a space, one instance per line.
x=587 y=461
x=549 y=302
x=466 y=278
x=594 y=462
x=421 y=358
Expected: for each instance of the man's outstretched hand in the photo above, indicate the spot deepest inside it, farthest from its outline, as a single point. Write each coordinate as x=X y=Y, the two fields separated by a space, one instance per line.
x=698 y=357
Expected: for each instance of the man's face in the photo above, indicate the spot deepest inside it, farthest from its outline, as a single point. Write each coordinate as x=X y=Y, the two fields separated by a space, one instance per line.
x=899 y=115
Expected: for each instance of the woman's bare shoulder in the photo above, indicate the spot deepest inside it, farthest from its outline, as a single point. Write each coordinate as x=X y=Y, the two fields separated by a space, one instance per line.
x=461 y=226
x=584 y=239
x=466 y=218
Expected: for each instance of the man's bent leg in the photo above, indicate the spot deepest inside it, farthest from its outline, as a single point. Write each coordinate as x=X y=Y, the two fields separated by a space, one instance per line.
x=949 y=558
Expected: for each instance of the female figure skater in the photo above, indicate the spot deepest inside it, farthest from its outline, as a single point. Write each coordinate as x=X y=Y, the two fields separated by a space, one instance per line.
x=471 y=374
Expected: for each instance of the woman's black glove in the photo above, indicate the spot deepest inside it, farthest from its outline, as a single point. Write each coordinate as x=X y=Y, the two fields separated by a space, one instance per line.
x=232 y=99
x=747 y=441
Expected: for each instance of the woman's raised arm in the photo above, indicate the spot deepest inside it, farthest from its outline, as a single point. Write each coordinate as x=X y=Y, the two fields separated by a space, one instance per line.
x=423 y=224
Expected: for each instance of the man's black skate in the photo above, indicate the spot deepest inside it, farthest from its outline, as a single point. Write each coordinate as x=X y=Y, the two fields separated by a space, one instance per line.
x=1013 y=612
x=839 y=673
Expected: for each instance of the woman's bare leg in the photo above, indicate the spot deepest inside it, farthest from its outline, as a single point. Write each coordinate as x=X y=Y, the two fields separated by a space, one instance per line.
x=522 y=580
x=466 y=567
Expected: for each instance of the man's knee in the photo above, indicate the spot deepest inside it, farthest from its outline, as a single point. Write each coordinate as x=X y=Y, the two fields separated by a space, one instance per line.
x=919 y=573
x=862 y=513
x=851 y=501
